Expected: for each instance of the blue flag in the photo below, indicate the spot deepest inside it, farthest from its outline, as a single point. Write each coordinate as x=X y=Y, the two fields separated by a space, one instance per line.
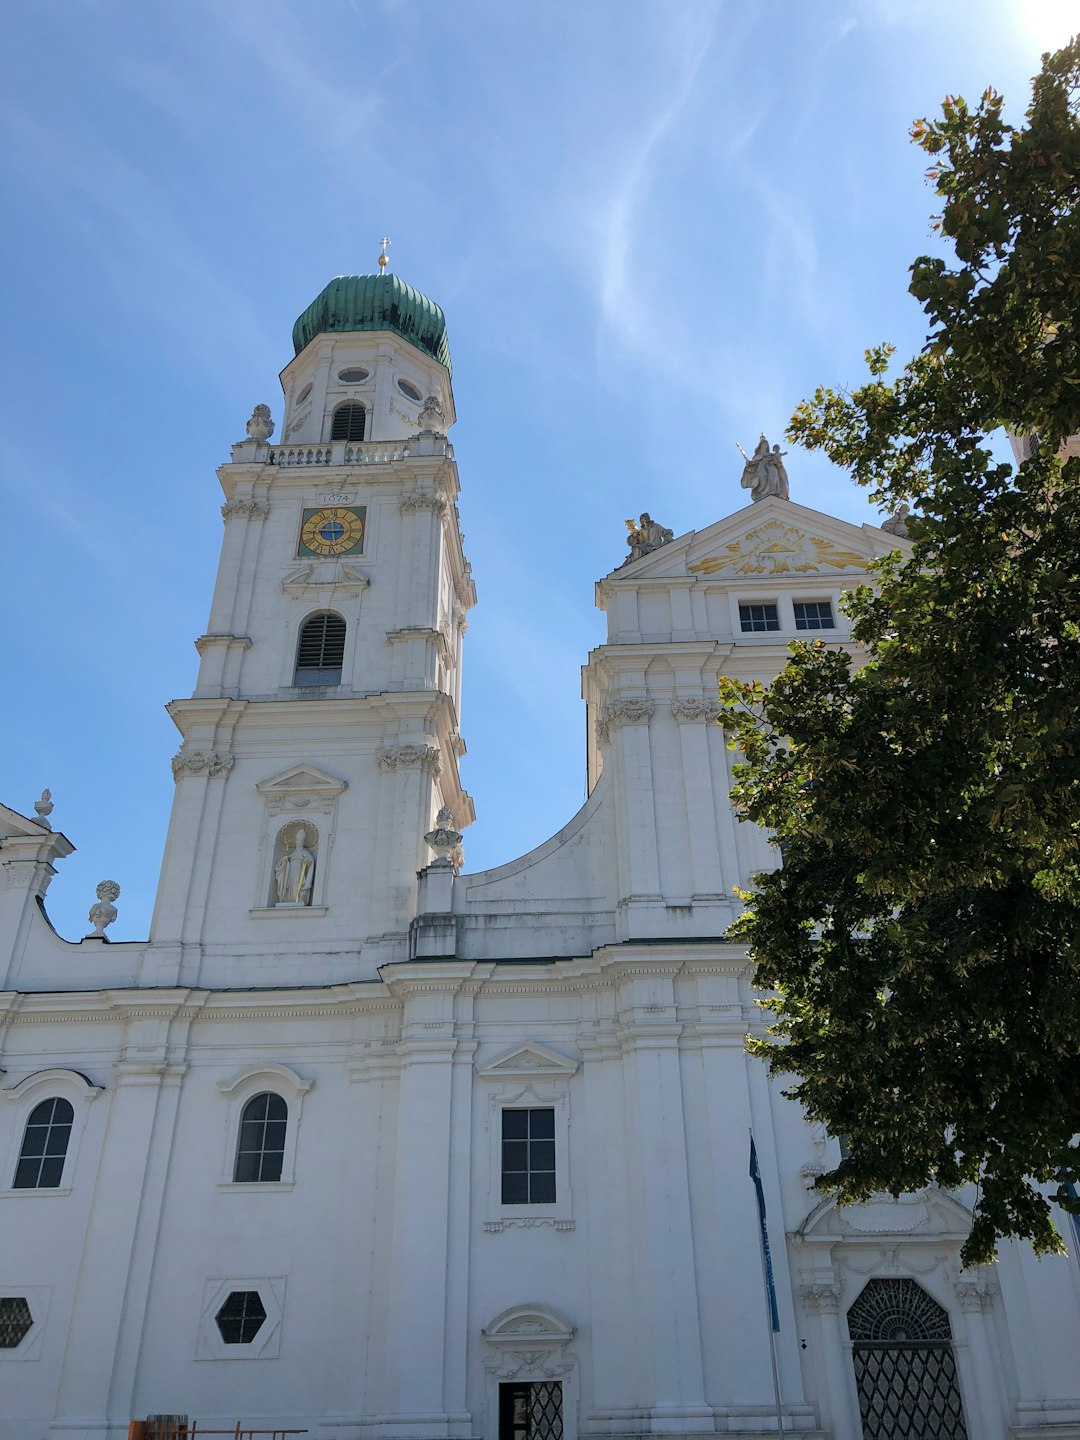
x=770 y=1284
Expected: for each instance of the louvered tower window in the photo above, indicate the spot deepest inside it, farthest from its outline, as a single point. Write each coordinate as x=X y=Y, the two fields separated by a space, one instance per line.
x=349 y=422
x=321 y=651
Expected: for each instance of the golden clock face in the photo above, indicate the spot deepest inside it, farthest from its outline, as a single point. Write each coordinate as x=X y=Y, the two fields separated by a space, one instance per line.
x=335 y=530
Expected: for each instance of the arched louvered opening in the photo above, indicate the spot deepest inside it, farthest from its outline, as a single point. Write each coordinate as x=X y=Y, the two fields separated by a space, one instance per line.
x=904 y=1365
x=320 y=652
x=349 y=422
x=44 y=1147
x=260 y=1150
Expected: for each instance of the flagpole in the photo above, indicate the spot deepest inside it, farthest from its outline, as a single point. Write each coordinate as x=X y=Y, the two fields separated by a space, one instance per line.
x=768 y=1284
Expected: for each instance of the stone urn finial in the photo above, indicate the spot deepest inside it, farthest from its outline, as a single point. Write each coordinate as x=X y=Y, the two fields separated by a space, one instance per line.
x=432 y=417
x=44 y=808
x=260 y=427
x=104 y=912
x=444 y=839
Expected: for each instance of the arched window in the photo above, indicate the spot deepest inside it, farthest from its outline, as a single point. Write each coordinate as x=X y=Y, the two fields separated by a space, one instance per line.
x=349 y=421
x=904 y=1365
x=320 y=652
x=260 y=1150
x=44 y=1147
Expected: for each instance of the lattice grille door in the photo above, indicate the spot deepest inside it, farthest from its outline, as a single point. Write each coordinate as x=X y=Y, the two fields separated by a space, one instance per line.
x=904 y=1365
x=545 y=1411
x=531 y=1410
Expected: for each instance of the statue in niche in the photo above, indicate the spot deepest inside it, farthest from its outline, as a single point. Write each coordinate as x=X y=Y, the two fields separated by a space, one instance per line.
x=764 y=473
x=294 y=873
x=646 y=536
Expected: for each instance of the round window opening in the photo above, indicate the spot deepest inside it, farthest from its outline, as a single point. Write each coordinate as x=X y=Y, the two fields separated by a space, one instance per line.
x=353 y=376
x=409 y=390
x=304 y=393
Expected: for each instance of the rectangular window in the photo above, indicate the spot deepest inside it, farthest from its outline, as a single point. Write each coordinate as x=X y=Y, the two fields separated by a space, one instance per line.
x=528 y=1157
x=759 y=617
x=814 y=615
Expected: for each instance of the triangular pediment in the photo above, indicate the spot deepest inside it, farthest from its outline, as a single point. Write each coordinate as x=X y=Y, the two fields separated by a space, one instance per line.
x=299 y=781
x=928 y=1214
x=531 y=1059
x=768 y=539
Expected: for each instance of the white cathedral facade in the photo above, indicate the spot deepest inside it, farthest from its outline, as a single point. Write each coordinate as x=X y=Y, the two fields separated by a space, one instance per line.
x=361 y=1145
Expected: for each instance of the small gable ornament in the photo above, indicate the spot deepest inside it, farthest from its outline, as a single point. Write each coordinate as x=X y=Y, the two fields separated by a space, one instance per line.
x=104 y=912
x=260 y=427
x=444 y=839
x=432 y=417
x=44 y=808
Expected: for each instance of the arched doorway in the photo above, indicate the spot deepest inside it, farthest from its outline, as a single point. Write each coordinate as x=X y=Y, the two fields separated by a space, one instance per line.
x=904 y=1365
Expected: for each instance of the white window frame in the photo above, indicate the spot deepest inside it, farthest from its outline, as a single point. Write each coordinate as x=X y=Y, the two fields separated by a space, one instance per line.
x=70 y=1085
x=267 y=1343
x=529 y=1077
x=239 y=1089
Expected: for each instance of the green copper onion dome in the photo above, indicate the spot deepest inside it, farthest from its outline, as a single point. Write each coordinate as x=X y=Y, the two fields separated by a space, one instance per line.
x=375 y=302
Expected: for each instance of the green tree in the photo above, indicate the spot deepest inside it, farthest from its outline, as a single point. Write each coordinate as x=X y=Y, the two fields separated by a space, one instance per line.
x=923 y=933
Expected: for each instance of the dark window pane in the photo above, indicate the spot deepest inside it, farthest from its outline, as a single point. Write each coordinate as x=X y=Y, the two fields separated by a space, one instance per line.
x=813 y=615
x=515 y=1124
x=542 y=1188
x=271 y=1167
x=542 y=1155
x=51 y=1174
x=515 y=1189
x=247 y=1167
x=48 y=1130
x=515 y=1155
x=542 y=1124
x=241 y=1317
x=57 y=1142
x=260 y=1152
x=758 y=617
x=36 y=1136
x=26 y=1175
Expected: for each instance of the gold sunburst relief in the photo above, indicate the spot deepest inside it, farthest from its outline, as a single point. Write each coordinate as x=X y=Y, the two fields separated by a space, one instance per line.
x=778 y=549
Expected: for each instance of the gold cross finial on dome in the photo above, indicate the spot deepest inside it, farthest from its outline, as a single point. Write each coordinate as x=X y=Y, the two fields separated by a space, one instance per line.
x=384 y=258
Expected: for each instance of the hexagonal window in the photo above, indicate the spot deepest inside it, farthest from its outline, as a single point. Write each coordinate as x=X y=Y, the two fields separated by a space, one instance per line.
x=241 y=1317
x=15 y=1321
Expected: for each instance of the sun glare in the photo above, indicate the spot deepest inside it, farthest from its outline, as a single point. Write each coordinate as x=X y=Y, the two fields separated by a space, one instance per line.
x=1050 y=23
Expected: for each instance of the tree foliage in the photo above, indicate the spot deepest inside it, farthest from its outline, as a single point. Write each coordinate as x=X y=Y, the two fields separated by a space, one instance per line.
x=922 y=936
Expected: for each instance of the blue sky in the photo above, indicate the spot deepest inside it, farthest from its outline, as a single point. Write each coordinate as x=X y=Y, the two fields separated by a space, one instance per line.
x=654 y=228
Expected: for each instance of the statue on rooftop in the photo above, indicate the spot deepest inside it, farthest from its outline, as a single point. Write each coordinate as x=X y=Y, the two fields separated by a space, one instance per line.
x=104 y=912
x=646 y=535
x=764 y=473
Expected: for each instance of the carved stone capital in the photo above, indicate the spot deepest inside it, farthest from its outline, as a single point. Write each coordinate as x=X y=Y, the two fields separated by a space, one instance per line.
x=201 y=762
x=695 y=708
x=410 y=757
x=629 y=711
x=245 y=510
x=822 y=1297
x=974 y=1292
x=423 y=500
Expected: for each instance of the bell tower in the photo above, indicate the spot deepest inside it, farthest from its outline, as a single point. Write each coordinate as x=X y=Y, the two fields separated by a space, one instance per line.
x=322 y=736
